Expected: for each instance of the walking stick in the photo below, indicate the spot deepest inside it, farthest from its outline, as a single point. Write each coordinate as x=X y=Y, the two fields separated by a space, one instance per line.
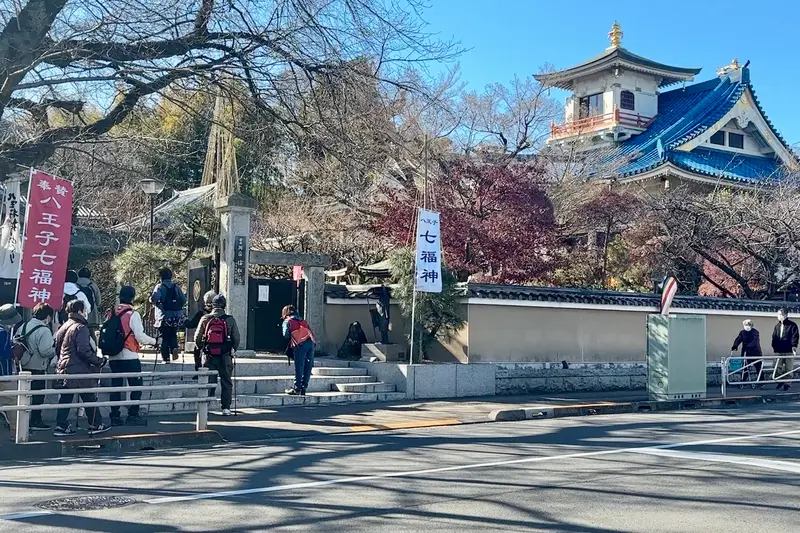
x=235 y=396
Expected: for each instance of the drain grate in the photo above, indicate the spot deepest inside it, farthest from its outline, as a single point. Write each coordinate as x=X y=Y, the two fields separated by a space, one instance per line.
x=86 y=503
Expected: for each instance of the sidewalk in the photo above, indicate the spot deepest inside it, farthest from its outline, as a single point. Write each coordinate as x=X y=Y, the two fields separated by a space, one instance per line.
x=289 y=423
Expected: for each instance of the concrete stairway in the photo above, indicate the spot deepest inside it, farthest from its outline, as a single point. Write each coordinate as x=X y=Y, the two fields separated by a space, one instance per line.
x=261 y=383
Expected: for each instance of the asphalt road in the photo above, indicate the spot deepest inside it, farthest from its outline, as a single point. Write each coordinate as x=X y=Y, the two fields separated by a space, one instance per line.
x=712 y=471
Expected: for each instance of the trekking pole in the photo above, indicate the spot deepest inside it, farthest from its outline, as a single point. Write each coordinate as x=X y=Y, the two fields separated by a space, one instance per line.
x=235 y=396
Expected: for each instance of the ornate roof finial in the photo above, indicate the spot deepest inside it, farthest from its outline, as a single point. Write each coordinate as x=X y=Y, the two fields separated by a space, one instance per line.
x=729 y=68
x=615 y=35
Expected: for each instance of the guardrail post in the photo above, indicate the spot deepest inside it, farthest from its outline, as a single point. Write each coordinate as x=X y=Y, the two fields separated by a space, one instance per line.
x=23 y=400
x=202 y=404
x=724 y=374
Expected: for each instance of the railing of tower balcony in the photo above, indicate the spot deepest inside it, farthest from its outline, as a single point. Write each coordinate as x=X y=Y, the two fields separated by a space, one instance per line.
x=595 y=122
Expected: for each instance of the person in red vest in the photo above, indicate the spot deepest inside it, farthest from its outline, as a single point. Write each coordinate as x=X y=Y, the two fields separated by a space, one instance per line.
x=302 y=341
x=128 y=359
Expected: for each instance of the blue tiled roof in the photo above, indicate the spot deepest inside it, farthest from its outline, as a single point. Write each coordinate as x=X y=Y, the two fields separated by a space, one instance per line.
x=684 y=114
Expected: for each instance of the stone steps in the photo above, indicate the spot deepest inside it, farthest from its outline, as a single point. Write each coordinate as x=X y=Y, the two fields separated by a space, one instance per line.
x=365 y=387
x=338 y=371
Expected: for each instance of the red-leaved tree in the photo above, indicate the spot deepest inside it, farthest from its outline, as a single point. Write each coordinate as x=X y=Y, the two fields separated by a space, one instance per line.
x=497 y=222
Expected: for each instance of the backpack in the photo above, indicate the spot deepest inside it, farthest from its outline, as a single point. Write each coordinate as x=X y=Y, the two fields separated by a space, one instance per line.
x=19 y=344
x=87 y=290
x=300 y=332
x=112 y=335
x=62 y=314
x=216 y=337
x=172 y=299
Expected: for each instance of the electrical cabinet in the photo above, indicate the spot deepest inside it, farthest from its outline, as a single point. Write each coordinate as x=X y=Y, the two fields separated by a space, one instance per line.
x=676 y=357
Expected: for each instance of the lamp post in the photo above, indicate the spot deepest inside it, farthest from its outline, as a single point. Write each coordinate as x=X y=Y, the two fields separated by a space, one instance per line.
x=152 y=188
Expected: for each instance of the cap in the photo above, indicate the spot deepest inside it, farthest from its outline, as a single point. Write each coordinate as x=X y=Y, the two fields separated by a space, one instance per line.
x=9 y=315
x=219 y=302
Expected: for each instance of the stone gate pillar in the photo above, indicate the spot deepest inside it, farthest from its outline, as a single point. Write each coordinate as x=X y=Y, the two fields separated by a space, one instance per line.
x=235 y=212
x=315 y=302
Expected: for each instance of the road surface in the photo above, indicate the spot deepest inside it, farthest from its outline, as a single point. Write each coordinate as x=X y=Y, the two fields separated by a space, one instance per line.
x=710 y=471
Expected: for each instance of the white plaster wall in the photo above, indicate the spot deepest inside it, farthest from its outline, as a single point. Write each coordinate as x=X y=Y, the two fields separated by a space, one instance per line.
x=644 y=87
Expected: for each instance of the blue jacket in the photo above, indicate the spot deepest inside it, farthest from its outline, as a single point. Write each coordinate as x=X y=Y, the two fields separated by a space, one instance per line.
x=6 y=355
x=158 y=299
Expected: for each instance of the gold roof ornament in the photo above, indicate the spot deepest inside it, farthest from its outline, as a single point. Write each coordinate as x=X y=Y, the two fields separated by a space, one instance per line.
x=729 y=68
x=615 y=35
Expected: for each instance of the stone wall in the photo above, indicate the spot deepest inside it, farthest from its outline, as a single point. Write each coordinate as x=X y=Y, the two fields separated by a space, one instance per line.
x=547 y=378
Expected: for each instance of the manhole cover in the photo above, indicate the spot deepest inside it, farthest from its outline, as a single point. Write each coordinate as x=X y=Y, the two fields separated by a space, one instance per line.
x=86 y=503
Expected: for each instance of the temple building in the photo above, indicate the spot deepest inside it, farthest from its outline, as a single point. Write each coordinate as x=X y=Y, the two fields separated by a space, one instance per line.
x=650 y=124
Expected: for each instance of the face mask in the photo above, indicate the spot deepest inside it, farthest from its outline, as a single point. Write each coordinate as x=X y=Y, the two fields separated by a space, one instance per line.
x=748 y=328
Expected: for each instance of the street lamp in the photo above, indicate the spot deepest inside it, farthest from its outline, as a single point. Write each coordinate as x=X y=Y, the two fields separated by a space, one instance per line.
x=152 y=188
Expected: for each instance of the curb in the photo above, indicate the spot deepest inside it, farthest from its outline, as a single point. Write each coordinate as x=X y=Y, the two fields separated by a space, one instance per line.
x=109 y=445
x=562 y=411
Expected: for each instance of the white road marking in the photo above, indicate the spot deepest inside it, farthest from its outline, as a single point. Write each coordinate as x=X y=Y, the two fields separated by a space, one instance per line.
x=23 y=516
x=784 y=466
x=411 y=473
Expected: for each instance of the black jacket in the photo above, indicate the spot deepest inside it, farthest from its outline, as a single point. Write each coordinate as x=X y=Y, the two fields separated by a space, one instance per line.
x=789 y=340
x=750 y=341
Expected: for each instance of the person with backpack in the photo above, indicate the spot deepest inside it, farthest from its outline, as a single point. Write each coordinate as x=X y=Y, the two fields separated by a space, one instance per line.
x=168 y=300
x=121 y=337
x=218 y=337
x=34 y=351
x=92 y=292
x=72 y=292
x=77 y=354
x=9 y=317
x=302 y=341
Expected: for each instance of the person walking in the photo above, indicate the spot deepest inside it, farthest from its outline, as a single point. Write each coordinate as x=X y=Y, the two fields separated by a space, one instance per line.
x=77 y=354
x=9 y=317
x=193 y=322
x=168 y=300
x=125 y=324
x=785 y=338
x=35 y=340
x=302 y=341
x=72 y=292
x=92 y=292
x=218 y=337
x=750 y=341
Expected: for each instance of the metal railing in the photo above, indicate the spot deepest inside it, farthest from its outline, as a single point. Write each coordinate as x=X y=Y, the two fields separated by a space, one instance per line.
x=24 y=394
x=733 y=374
x=592 y=122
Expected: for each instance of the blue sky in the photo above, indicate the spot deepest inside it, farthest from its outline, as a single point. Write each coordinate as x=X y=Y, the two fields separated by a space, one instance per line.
x=508 y=37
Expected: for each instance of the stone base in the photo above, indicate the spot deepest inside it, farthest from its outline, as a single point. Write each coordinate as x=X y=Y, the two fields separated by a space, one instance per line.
x=383 y=352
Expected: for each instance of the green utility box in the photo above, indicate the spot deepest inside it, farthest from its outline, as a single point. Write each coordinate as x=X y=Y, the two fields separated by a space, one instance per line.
x=676 y=357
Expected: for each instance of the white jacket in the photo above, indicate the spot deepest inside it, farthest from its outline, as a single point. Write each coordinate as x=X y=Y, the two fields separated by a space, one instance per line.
x=73 y=290
x=137 y=332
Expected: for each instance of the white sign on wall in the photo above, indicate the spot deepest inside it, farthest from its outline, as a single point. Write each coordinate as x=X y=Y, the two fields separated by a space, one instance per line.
x=428 y=270
x=263 y=293
x=10 y=241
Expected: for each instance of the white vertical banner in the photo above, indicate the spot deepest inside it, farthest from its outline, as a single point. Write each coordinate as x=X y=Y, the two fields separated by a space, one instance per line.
x=428 y=270
x=10 y=241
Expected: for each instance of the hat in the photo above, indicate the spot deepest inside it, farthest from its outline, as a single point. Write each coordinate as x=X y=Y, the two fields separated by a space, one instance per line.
x=219 y=302
x=9 y=315
x=127 y=293
x=208 y=298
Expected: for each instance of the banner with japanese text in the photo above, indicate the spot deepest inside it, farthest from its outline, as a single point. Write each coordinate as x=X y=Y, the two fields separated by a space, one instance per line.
x=10 y=241
x=428 y=271
x=48 y=227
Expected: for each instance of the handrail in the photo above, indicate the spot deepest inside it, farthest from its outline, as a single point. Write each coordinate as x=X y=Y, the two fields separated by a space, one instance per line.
x=784 y=378
x=617 y=116
x=24 y=394
x=106 y=375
